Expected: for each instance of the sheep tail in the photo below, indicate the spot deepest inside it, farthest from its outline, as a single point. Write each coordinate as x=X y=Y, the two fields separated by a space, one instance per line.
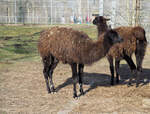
x=141 y=44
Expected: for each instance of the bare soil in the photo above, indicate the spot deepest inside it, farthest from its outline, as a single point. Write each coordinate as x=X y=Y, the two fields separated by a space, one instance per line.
x=23 y=90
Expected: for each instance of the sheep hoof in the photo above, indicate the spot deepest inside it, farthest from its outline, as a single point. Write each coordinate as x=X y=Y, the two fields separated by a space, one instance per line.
x=53 y=90
x=75 y=96
x=137 y=85
x=49 y=92
x=129 y=84
x=81 y=91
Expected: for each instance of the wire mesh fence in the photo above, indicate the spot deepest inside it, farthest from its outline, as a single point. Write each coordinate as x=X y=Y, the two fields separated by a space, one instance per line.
x=121 y=12
x=46 y=11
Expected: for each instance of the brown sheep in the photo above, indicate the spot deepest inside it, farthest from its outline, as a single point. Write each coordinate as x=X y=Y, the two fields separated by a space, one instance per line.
x=74 y=48
x=134 y=42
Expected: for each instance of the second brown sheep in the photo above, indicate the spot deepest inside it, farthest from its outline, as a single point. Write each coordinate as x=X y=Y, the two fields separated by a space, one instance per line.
x=74 y=48
x=134 y=42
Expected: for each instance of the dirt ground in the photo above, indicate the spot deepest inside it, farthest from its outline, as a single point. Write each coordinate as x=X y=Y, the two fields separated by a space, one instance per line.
x=23 y=90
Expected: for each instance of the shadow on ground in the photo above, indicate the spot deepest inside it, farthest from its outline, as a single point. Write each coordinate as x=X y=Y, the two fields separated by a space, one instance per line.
x=97 y=79
x=125 y=74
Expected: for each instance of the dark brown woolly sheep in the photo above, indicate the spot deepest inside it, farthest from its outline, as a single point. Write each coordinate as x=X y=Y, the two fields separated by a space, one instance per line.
x=72 y=47
x=134 y=42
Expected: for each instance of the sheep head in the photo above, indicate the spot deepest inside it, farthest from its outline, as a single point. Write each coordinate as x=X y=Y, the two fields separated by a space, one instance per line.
x=100 y=20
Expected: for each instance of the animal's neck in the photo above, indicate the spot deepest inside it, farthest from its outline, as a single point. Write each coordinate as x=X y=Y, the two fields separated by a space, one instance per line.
x=101 y=47
x=101 y=29
x=98 y=50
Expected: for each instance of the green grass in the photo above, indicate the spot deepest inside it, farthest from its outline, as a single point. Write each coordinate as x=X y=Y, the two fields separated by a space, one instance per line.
x=19 y=43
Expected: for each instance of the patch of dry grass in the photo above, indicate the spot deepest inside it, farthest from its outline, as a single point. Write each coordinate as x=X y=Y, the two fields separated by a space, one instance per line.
x=23 y=90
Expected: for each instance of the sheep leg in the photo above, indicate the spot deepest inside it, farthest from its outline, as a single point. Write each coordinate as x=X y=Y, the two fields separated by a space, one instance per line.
x=53 y=65
x=45 y=72
x=139 y=53
x=74 y=77
x=117 y=63
x=111 y=67
x=131 y=65
x=80 y=68
x=139 y=60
